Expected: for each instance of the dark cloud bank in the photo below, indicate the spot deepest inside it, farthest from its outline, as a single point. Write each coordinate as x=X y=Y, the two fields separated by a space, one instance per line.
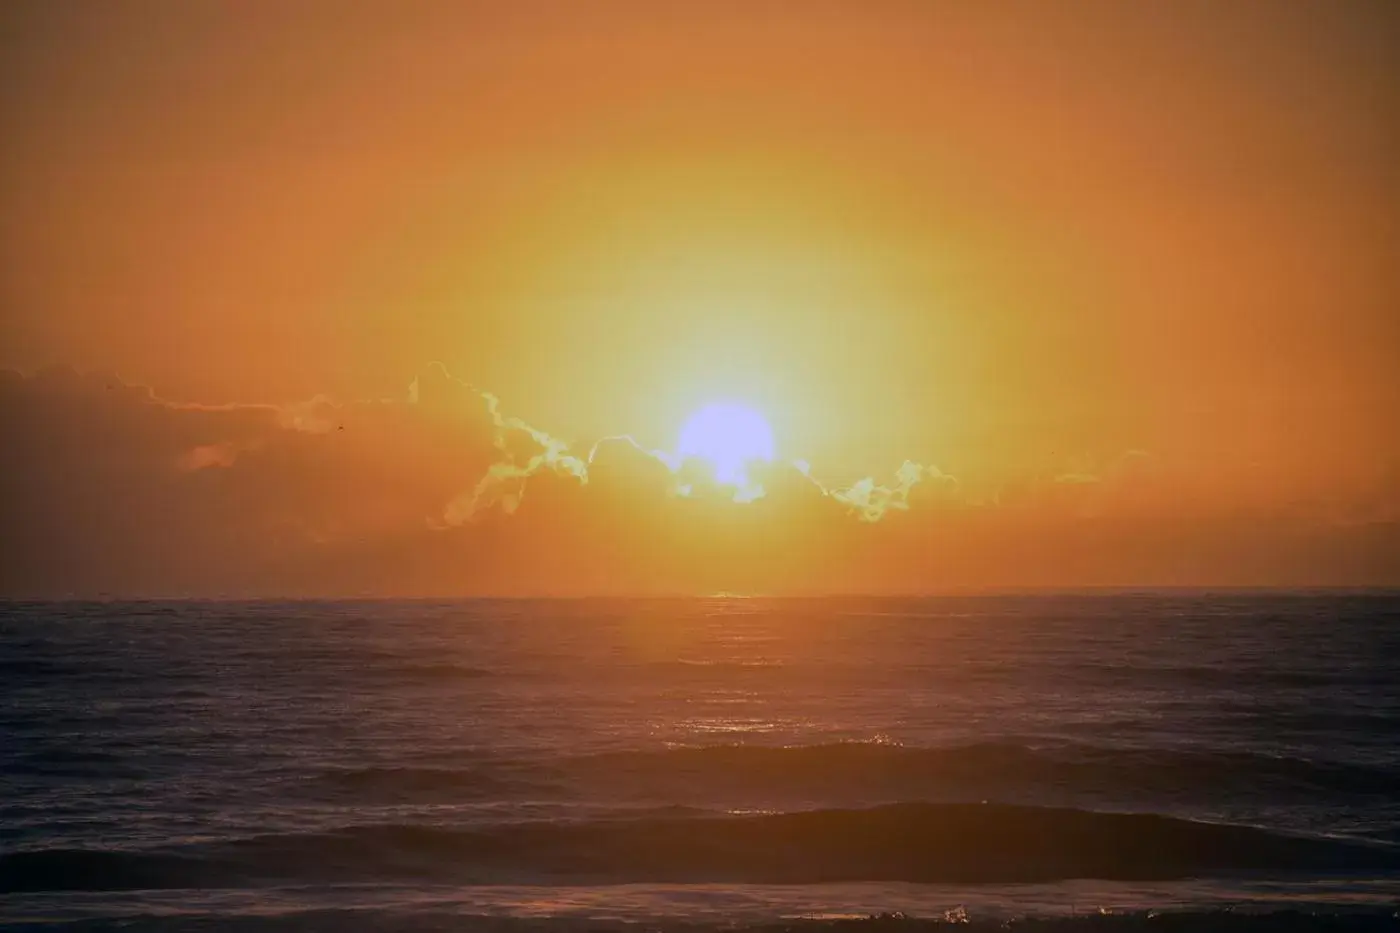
x=109 y=490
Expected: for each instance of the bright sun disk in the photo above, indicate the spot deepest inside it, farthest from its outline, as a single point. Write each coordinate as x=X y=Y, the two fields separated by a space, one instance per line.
x=729 y=437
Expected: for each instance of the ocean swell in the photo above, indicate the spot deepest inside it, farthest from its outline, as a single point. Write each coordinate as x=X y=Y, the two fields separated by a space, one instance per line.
x=914 y=842
x=900 y=772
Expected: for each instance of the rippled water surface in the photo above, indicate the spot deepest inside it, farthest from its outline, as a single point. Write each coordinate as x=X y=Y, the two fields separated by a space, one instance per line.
x=727 y=759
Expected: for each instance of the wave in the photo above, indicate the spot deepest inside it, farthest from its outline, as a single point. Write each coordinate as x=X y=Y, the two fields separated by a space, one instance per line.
x=444 y=671
x=853 y=773
x=352 y=919
x=981 y=768
x=909 y=842
x=416 y=783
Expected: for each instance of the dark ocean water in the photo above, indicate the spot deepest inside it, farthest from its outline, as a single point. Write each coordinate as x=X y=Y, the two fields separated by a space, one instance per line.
x=428 y=765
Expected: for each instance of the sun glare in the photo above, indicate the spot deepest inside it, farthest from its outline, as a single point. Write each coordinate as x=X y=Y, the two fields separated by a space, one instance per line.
x=729 y=437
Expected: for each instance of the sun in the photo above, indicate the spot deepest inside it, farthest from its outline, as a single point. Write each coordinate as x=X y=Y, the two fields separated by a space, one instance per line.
x=730 y=437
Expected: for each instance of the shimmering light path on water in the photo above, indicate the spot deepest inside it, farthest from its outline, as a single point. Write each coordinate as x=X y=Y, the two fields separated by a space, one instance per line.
x=636 y=759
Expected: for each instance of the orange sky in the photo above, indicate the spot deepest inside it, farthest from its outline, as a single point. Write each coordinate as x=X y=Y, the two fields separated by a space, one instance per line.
x=1135 y=263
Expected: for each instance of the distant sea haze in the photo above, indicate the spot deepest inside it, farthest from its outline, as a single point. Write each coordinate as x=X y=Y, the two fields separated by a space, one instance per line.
x=428 y=765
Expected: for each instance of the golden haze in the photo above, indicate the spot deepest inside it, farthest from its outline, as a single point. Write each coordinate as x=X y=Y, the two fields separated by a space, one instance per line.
x=1117 y=281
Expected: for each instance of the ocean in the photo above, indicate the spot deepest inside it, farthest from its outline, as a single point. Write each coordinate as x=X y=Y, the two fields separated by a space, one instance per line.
x=1090 y=760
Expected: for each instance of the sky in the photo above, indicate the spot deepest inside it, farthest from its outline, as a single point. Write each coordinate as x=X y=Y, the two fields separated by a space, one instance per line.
x=360 y=298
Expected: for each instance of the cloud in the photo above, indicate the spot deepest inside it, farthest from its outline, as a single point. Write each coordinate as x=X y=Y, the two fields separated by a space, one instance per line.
x=110 y=489
x=871 y=501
